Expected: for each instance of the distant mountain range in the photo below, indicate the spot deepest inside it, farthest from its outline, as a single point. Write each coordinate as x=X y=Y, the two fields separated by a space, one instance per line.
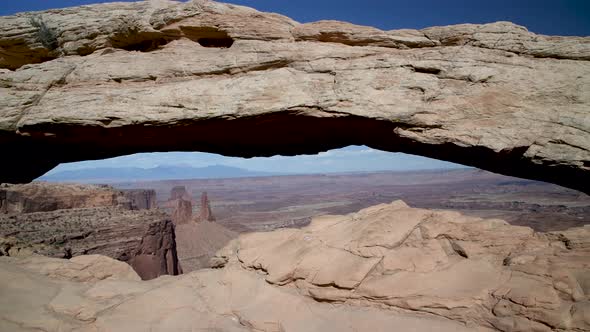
x=109 y=175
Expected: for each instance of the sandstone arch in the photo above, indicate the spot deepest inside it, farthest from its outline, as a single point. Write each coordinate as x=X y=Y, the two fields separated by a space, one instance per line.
x=494 y=96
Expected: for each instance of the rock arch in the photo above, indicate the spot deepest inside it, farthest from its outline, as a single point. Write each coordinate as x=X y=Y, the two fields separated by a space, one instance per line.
x=494 y=96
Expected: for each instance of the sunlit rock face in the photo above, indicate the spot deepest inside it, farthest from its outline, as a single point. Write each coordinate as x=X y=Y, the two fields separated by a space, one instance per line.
x=387 y=265
x=69 y=220
x=483 y=273
x=110 y=79
x=43 y=197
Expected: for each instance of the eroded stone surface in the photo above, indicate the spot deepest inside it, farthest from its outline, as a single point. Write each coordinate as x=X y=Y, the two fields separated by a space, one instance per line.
x=206 y=76
x=42 y=197
x=388 y=265
x=482 y=272
x=66 y=220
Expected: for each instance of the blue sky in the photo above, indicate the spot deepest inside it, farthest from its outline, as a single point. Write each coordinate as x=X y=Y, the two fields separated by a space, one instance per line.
x=352 y=158
x=555 y=17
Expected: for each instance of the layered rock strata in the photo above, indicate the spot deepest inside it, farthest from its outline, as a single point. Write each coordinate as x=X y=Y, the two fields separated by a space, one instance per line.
x=484 y=273
x=73 y=220
x=44 y=197
x=111 y=79
x=385 y=266
x=141 y=199
x=156 y=254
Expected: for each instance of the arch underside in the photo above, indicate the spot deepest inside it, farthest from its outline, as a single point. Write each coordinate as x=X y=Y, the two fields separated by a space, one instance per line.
x=248 y=84
x=285 y=133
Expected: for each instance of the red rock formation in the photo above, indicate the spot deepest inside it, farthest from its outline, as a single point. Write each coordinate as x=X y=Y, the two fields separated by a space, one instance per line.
x=179 y=192
x=141 y=199
x=157 y=254
x=44 y=197
x=205 y=212
x=183 y=211
x=67 y=220
x=41 y=197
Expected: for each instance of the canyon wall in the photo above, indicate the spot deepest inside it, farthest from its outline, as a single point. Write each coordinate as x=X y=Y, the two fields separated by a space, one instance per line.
x=141 y=199
x=40 y=197
x=67 y=220
x=44 y=197
x=156 y=254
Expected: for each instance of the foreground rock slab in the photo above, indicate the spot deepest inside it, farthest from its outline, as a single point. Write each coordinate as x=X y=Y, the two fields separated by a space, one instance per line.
x=111 y=79
x=35 y=297
x=484 y=273
x=385 y=266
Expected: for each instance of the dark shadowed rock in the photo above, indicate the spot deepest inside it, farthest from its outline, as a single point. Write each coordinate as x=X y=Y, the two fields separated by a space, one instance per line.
x=157 y=254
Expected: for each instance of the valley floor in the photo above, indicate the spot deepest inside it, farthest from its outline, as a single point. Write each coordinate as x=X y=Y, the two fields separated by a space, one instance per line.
x=267 y=203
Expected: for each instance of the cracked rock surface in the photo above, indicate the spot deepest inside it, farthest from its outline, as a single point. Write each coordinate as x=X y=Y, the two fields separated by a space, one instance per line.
x=104 y=80
x=484 y=273
x=65 y=220
x=387 y=265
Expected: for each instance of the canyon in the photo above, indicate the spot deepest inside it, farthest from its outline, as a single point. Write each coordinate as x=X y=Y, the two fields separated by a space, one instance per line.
x=339 y=252
x=267 y=203
x=67 y=220
x=198 y=237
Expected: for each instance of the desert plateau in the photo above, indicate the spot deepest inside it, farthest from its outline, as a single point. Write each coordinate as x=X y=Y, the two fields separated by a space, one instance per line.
x=492 y=236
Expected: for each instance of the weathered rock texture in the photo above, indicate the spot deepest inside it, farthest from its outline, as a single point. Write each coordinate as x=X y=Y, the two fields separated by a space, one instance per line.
x=39 y=294
x=44 y=197
x=111 y=79
x=205 y=213
x=156 y=254
x=482 y=272
x=388 y=266
x=182 y=211
x=62 y=221
x=141 y=199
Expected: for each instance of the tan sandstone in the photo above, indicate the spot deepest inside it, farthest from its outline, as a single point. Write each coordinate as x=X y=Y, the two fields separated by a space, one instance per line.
x=385 y=266
x=206 y=76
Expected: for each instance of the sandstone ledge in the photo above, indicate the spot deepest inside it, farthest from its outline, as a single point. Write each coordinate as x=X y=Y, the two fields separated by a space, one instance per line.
x=387 y=265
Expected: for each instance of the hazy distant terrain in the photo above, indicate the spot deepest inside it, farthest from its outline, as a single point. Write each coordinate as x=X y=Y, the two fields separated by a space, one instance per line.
x=266 y=203
x=117 y=174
